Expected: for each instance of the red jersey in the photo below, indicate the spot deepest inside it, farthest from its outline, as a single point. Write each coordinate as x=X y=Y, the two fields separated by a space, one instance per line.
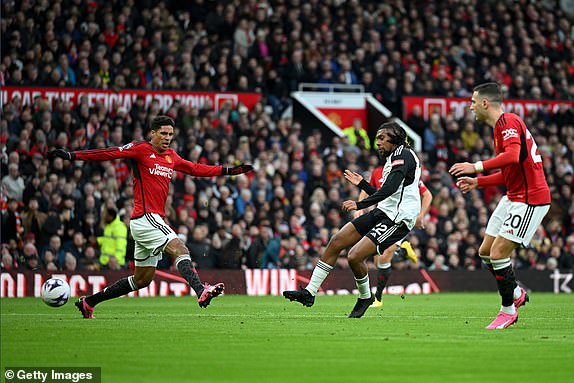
x=377 y=180
x=152 y=172
x=525 y=180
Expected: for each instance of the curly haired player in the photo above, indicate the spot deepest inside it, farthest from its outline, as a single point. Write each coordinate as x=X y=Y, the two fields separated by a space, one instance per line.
x=398 y=205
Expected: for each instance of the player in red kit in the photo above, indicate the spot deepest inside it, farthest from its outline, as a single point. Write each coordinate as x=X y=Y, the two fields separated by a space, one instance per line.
x=154 y=164
x=519 y=213
x=383 y=261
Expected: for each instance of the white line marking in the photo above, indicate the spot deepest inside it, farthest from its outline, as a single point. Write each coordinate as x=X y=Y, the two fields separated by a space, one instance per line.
x=278 y=316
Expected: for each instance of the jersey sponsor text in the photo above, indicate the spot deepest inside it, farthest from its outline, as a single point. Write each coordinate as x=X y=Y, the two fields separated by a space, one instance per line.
x=162 y=171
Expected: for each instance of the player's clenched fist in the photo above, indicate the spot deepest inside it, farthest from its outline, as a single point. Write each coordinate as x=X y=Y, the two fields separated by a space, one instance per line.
x=462 y=168
x=466 y=184
x=349 y=205
x=62 y=154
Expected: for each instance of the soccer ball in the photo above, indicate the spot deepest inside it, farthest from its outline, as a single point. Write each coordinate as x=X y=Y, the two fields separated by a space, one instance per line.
x=55 y=292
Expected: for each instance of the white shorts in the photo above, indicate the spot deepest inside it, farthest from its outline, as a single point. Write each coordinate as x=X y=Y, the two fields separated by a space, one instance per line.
x=516 y=221
x=151 y=235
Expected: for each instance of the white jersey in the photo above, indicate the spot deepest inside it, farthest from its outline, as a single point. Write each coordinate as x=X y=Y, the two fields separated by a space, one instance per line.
x=405 y=203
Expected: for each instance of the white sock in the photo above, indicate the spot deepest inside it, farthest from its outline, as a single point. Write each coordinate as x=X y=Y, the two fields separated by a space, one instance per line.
x=510 y=310
x=320 y=272
x=132 y=282
x=517 y=292
x=363 y=286
x=181 y=258
x=385 y=265
x=500 y=264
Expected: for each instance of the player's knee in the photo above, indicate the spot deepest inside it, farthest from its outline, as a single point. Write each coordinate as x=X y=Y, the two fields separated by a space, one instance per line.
x=143 y=281
x=176 y=248
x=498 y=254
x=337 y=242
x=387 y=255
x=180 y=250
x=484 y=251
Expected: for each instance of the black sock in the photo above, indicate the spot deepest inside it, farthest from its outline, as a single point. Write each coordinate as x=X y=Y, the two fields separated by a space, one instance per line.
x=491 y=269
x=186 y=270
x=506 y=283
x=121 y=287
x=383 y=276
x=488 y=264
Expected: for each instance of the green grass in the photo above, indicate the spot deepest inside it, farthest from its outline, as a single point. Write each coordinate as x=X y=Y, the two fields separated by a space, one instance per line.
x=435 y=338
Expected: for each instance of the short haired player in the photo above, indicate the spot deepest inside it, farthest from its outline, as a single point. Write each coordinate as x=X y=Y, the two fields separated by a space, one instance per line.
x=527 y=200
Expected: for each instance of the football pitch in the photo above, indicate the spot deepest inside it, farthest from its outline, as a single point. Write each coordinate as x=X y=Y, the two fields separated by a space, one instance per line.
x=432 y=338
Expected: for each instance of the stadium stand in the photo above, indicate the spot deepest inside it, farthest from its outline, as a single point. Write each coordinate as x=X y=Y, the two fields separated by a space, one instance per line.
x=284 y=214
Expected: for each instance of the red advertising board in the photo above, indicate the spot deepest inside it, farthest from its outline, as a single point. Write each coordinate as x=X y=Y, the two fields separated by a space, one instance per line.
x=460 y=106
x=260 y=282
x=126 y=98
x=345 y=118
x=253 y=282
x=342 y=109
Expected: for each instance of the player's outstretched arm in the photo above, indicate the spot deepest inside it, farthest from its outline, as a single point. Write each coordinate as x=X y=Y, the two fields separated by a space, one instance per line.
x=201 y=170
x=511 y=155
x=105 y=154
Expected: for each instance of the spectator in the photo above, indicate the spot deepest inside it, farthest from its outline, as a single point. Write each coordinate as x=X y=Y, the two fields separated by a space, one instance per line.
x=49 y=260
x=113 y=243
x=199 y=248
x=30 y=257
x=358 y=135
x=264 y=250
x=7 y=260
x=76 y=246
x=12 y=229
x=55 y=247
x=70 y=262
x=90 y=261
x=231 y=250
x=416 y=121
x=13 y=183
x=113 y=264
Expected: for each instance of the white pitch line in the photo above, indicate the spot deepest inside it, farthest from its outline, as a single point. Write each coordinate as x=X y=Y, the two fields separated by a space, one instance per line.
x=286 y=316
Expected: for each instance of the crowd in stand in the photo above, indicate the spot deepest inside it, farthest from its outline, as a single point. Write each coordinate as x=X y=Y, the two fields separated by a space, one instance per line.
x=55 y=213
